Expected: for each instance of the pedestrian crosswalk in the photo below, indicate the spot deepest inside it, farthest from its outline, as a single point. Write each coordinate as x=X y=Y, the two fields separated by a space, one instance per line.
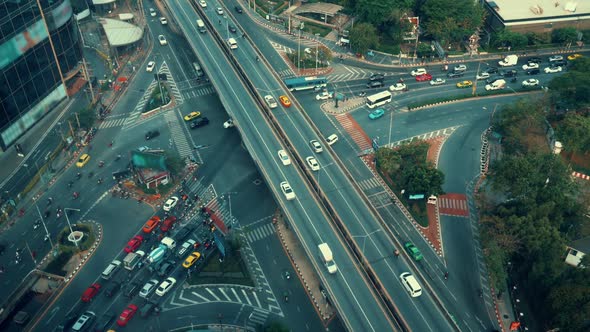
x=178 y=136
x=198 y=92
x=111 y=122
x=256 y=319
x=354 y=130
x=286 y=73
x=342 y=73
x=453 y=205
x=368 y=184
x=259 y=232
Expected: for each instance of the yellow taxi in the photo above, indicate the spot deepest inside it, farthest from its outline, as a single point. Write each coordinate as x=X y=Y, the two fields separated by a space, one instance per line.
x=285 y=101
x=83 y=160
x=191 y=260
x=464 y=84
x=574 y=56
x=191 y=116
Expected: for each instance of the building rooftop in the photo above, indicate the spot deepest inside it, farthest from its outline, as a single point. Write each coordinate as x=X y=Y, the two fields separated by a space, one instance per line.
x=120 y=33
x=510 y=10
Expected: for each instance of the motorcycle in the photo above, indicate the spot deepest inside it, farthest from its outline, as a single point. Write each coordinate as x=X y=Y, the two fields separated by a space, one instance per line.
x=36 y=224
x=46 y=238
x=362 y=94
x=118 y=157
x=99 y=180
x=79 y=175
x=70 y=184
x=101 y=163
x=75 y=195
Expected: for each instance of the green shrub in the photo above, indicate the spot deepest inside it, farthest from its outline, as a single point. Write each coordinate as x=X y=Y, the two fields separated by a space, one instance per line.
x=57 y=264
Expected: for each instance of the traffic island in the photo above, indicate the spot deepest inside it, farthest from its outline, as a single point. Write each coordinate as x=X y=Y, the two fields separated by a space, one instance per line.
x=231 y=271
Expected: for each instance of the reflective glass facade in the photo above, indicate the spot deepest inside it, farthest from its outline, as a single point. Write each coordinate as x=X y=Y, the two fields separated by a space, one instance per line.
x=30 y=83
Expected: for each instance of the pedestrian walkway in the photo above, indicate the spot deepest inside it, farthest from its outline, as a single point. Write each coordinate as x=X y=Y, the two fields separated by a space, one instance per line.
x=453 y=205
x=355 y=131
x=257 y=318
x=112 y=121
x=260 y=232
x=368 y=184
x=286 y=73
x=178 y=135
x=343 y=73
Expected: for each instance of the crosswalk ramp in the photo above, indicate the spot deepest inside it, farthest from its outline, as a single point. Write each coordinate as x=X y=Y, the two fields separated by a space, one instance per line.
x=198 y=92
x=178 y=135
x=355 y=131
x=260 y=232
x=256 y=319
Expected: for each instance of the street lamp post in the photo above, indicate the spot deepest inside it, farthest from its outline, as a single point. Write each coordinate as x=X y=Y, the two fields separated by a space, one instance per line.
x=473 y=91
x=68 y=220
x=317 y=46
x=44 y=226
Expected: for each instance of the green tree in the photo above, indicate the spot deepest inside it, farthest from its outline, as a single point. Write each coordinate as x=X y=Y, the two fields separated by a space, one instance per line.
x=507 y=38
x=571 y=90
x=373 y=11
x=581 y=65
x=573 y=131
x=450 y=21
x=564 y=35
x=363 y=37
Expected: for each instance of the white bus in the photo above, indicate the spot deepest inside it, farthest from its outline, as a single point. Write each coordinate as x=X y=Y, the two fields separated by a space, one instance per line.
x=378 y=99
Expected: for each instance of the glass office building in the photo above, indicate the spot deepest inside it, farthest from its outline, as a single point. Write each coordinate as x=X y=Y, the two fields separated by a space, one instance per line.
x=37 y=51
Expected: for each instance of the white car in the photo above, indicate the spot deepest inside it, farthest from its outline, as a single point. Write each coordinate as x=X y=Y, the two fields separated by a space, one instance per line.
x=438 y=81
x=150 y=66
x=419 y=71
x=270 y=101
x=555 y=58
x=233 y=44
x=324 y=95
x=482 y=76
x=165 y=286
x=460 y=68
x=551 y=70
x=170 y=203
x=530 y=65
x=316 y=146
x=397 y=87
x=332 y=139
x=162 y=40
x=203 y=3
x=228 y=124
x=287 y=190
x=143 y=148
x=185 y=247
x=219 y=10
x=148 y=288
x=153 y=12
x=163 y=20
x=284 y=157
x=313 y=163
x=530 y=82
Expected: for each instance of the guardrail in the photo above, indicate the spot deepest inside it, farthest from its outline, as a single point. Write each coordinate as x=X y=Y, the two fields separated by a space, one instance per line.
x=384 y=297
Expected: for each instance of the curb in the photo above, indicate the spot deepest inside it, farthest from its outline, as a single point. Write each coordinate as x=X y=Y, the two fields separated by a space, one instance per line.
x=581 y=176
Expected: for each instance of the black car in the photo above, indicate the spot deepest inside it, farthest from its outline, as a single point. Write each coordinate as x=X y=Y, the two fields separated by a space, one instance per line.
x=509 y=73
x=374 y=84
x=112 y=289
x=534 y=71
x=492 y=80
x=376 y=77
x=67 y=323
x=151 y=134
x=104 y=322
x=456 y=74
x=131 y=289
x=535 y=60
x=232 y=28
x=200 y=122
x=166 y=268
x=183 y=233
x=558 y=63
x=238 y=9
x=492 y=70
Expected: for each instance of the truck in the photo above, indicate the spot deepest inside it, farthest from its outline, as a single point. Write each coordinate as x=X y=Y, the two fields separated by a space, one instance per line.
x=496 y=85
x=157 y=254
x=509 y=61
x=327 y=258
x=132 y=259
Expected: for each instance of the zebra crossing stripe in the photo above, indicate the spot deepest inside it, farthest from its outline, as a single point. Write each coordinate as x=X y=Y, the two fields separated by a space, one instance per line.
x=200 y=296
x=224 y=294
x=213 y=294
x=246 y=297
x=236 y=295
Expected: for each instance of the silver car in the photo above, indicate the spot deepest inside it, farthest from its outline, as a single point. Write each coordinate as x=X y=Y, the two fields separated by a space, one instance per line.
x=148 y=288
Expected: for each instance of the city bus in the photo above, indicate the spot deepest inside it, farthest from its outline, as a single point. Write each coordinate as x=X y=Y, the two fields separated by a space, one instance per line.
x=378 y=99
x=306 y=83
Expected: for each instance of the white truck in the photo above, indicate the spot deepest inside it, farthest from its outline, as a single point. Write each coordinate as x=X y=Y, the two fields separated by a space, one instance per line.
x=496 y=85
x=327 y=258
x=509 y=61
x=132 y=259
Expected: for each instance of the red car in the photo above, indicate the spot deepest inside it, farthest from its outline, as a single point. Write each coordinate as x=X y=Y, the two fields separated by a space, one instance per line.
x=151 y=224
x=134 y=243
x=168 y=224
x=90 y=293
x=126 y=315
x=424 y=77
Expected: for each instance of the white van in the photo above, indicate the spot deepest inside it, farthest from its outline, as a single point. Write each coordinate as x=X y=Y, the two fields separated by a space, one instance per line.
x=111 y=269
x=332 y=139
x=496 y=85
x=233 y=44
x=411 y=284
x=198 y=69
x=169 y=242
x=201 y=26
